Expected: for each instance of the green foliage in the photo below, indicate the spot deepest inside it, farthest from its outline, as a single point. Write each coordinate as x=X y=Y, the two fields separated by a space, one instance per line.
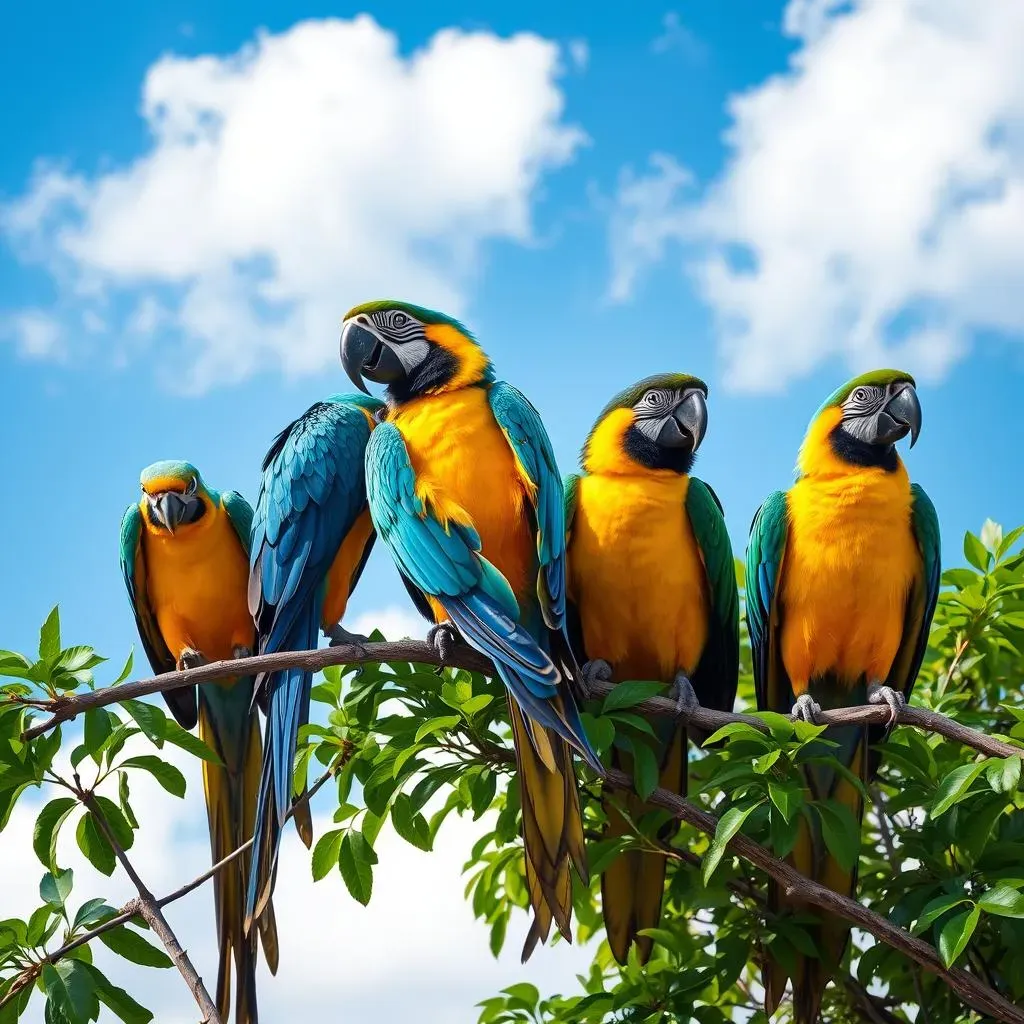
x=940 y=851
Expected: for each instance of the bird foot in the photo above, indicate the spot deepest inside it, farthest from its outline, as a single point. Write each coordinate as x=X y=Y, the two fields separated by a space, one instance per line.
x=806 y=709
x=593 y=672
x=444 y=638
x=338 y=636
x=879 y=693
x=684 y=694
x=191 y=659
x=240 y=651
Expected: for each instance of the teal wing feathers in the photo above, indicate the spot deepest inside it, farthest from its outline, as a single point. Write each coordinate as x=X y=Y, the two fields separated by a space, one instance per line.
x=240 y=513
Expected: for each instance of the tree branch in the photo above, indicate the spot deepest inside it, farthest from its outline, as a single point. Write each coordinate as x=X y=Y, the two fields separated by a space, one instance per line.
x=969 y=988
x=64 y=708
x=149 y=908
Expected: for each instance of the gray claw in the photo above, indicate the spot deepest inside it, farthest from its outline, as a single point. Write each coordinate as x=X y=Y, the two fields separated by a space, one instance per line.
x=806 y=709
x=685 y=696
x=596 y=671
x=878 y=693
x=240 y=651
x=191 y=659
x=444 y=638
x=338 y=636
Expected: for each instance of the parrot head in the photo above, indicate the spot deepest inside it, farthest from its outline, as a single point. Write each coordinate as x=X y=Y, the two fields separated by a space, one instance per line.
x=173 y=496
x=658 y=423
x=867 y=416
x=412 y=350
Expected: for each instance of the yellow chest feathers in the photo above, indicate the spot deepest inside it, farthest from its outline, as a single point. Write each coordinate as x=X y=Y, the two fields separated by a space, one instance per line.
x=850 y=560
x=197 y=583
x=637 y=577
x=466 y=470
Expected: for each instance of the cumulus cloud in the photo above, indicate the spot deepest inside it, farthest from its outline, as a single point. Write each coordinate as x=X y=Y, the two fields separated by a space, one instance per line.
x=872 y=202
x=34 y=332
x=312 y=169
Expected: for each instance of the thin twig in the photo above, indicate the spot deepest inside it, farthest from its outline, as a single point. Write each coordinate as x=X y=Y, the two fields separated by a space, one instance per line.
x=969 y=988
x=150 y=910
x=64 y=708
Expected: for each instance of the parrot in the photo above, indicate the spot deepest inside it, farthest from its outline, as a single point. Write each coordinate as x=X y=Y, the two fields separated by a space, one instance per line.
x=185 y=559
x=465 y=492
x=842 y=579
x=311 y=537
x=652 y=594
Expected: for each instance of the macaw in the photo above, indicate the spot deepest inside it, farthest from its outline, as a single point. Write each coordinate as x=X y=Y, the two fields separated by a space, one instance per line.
x=185 y=559
x=842 y=580
x=464 y=490
x=652 y=595
x=311 y=537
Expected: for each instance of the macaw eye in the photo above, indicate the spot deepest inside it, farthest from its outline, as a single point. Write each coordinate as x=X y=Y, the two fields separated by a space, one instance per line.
x=652 y=397
x=399 y=319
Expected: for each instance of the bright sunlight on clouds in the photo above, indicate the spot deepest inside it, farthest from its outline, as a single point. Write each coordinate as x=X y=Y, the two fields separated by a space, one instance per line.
x=872 y=204
x=289 y=180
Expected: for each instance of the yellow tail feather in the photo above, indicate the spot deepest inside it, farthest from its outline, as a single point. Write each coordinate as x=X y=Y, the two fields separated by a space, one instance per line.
x=231 y=791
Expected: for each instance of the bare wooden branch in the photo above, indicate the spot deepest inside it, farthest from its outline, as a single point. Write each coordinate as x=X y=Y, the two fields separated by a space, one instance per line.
x=150 y=910
x=969 y=988
x=65 y=708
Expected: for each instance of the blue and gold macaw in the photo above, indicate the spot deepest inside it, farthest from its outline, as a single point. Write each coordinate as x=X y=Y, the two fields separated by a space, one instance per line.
x=464 y=490
x=311 y=537
x=652 y=595
x=185 y=559
x=842 y=581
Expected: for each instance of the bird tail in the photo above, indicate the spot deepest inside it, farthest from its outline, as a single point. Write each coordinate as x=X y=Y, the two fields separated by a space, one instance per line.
x=552 y=825
x=632 y=885
x=232 y=732
x=286 y=695
x=811 y=858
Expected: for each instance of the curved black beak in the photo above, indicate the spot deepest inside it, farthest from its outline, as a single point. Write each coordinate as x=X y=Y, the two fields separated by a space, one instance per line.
x=364 y=354
x=170 y=509
x=686 y=427
x=904 y=411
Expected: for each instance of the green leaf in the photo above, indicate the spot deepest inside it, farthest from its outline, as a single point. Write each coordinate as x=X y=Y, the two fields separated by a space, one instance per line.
x=188 y=741
x=92 y=912
x=47 y=827
x=42 y=924
x=123 y=795
x=97 y=730
x=70 y=989
x=325 y=853
x=765 y=761
x=412 y=827
x=117 y=1000
x=645 y=770
x=630 y=693
x=976 y=554
x=55 y=889
x=117 y=822
x=934 y=909
x=788 y=797
x=149 y=718
x=956 y=933
x=728 y=825
x=435 y=725
x=165 y=773
x=523 y=995
x=737 y=729
x=126 y=669
x=476 y=704
x=841 y=831
x=356 y=859
x=94 y=845
x=129 y=944
x=1003 y=773
x=955 y=785
x=49 y=635
x=1004 y=901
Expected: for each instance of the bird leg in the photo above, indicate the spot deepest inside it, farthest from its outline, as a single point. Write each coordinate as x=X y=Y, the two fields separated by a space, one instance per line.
x=806 y=709
x=190 y=658
x=879 y=693
x=338 y=636
x=684 y=694
x=596 y=671
x=444 y=638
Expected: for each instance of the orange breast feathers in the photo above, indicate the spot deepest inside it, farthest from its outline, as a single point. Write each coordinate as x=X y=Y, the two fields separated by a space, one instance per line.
x=636 y=575
x=850 y=560
x=467 y=472
x=197 y=581
x=339 y=578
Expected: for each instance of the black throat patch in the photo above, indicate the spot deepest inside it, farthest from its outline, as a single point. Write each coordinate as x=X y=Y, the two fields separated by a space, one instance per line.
x=435 y=371
x=643 y=450
x=859 y=453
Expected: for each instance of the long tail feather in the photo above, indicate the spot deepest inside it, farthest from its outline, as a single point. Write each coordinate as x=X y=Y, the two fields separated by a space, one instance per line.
x=228 y=728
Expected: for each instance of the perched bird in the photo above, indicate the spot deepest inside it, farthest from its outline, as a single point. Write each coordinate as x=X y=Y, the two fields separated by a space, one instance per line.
x=311 y=537
x=185 y=558
x=652 y=595
x=465 y=492
x=842 y=580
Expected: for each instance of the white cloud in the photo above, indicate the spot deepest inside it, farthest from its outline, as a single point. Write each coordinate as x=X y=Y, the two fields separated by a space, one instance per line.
x=676 y=36
x=417 y=928
x=394 y=621
x=872 y=204
x=313 y=169
x=35 y=333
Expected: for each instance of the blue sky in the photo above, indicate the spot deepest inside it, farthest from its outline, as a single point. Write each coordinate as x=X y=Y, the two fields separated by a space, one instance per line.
x=770 y=195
